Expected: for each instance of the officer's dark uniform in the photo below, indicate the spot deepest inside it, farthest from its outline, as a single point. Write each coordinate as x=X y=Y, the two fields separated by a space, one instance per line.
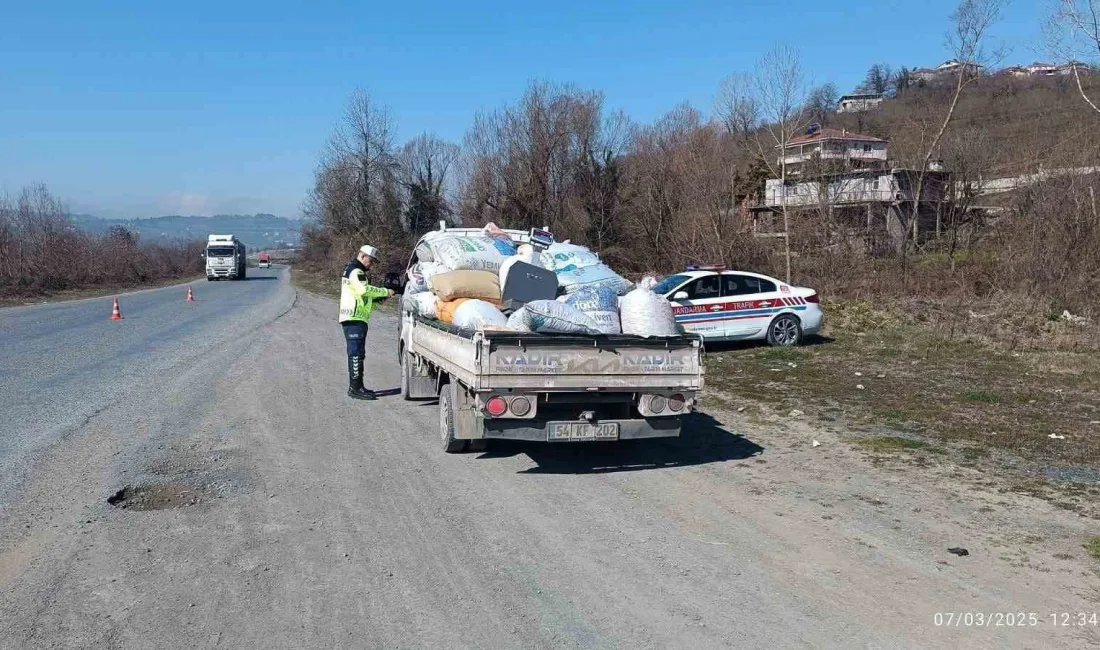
x=356 y=302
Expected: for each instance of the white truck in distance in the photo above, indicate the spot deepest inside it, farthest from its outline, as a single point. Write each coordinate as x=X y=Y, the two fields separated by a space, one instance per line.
x=225 y=258
x=546 y=387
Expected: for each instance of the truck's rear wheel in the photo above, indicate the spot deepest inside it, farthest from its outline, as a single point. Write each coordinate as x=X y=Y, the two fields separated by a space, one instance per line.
x=447 y=401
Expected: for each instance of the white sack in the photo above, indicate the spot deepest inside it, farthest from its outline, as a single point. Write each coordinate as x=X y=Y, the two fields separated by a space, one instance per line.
x=425 y=251
x=469 y=253
x=553 y=317
x=476 y=314
x=644 y=313
x=594 y=276
x=568 y=257
x=601 y=304
x=408 y=301
x=425 y=304
x=518 y=321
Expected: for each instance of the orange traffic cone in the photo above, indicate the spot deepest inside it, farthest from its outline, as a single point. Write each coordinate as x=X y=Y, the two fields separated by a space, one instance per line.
x=116 y=314
x=190 y=296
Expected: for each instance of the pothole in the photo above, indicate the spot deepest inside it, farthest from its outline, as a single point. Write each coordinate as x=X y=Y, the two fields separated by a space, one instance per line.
x=159 y=496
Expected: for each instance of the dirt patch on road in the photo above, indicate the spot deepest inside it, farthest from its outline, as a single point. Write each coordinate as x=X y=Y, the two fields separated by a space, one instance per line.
x=162 y=496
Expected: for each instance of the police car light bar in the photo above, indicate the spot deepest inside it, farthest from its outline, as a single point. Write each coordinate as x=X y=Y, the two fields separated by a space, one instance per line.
x=706 y=267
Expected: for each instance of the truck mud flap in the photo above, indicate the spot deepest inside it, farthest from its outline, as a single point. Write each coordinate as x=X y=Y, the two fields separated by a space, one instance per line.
x=420 y=382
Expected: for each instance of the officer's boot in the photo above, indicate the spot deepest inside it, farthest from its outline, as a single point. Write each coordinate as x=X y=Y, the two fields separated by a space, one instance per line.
x=362 y=375
x=355 y=379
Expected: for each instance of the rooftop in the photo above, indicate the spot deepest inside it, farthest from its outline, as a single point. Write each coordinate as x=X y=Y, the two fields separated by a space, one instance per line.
x=833 y=134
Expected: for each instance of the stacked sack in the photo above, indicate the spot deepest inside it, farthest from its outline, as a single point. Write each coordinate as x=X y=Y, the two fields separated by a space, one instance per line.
x=456 y=278
x=552 y=317
x=600 y=304
x=578 y=268
x=459 y=278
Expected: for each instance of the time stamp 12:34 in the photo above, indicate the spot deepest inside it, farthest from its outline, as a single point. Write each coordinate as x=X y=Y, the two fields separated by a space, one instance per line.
x=1016 y=619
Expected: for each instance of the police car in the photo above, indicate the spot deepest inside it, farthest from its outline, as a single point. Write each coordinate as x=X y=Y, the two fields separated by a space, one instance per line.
x=737 y=305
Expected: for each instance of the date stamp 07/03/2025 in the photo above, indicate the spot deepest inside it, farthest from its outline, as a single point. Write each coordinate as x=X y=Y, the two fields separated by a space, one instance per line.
x=1016 y=619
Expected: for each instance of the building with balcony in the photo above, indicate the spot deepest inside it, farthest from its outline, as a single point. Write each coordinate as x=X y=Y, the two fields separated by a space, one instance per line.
x=819 y=150
x=1038 y=69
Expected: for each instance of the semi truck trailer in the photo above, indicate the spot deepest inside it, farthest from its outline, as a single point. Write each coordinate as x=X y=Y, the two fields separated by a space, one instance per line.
x=225 y=258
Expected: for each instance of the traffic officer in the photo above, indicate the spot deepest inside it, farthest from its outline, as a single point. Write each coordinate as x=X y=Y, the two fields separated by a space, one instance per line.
x=356 y=302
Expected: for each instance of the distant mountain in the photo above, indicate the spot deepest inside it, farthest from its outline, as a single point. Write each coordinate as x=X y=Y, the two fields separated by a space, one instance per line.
x=256 y=231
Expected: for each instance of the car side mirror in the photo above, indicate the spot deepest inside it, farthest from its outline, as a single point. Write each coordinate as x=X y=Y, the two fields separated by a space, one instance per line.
x=680 y=295
x=393 y=281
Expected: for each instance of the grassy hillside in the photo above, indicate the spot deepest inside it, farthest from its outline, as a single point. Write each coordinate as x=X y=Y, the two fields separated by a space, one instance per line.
x=1003 y=126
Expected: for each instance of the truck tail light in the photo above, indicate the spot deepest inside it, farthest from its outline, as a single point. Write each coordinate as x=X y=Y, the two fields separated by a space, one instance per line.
x=813 y=297
x=658 y=403
x=676 y=403
x=521 y=406
x=496 y=406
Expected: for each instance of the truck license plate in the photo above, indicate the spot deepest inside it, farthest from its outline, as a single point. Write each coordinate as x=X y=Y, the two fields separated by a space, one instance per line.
x=566 y=431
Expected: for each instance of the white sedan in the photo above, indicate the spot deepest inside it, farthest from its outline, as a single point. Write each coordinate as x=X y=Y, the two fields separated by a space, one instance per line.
x=736 y=305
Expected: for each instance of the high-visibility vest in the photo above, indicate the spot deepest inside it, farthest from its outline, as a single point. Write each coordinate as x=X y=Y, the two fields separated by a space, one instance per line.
x=356 y=296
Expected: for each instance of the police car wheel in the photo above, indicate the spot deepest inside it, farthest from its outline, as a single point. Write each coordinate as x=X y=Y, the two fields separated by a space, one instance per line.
x=785 y=331
x=447 y=398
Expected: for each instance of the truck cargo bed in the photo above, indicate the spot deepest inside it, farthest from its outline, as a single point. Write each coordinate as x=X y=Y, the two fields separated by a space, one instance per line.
x=501 y=359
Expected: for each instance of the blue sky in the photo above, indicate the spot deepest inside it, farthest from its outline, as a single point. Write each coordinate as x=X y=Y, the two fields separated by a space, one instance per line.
x=131 y=109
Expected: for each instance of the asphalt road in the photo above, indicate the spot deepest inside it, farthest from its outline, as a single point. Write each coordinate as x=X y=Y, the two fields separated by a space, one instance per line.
x=270 y=511
x=62 y=363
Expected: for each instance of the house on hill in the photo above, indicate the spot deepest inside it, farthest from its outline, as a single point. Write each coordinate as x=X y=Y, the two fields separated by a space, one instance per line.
x=859 y=102
x=953 y=66
x=944 y=70
x=835 y=148
x=922 y=74
x=1069 y=66
x=1041 y=69
x=847 y=178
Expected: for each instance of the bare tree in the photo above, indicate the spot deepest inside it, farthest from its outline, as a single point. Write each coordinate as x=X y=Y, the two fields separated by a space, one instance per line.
x=598 y=184
x=971 y=21
x=522 y=161
x=356 y=192
x=737 y=105
x=655 y=183
x=1074 y=32
x=879 y=80
x=42 y=249
x=821 y=103
x=425 y=165
x=776 y=96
